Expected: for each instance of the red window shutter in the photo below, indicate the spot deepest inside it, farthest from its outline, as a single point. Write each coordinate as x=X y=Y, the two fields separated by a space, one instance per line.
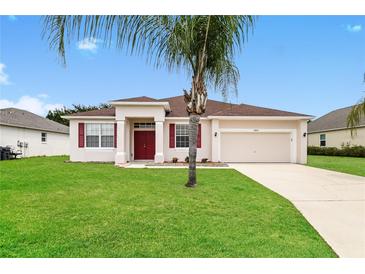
x=115 y=135
x=172 y=136
x=81 y=134
x=199 y=141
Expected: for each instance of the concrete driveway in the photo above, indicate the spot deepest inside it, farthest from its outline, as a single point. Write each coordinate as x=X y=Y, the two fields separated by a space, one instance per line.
x=333 y=202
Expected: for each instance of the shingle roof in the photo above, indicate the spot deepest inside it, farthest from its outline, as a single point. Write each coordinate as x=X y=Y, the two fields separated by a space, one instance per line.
x=336 y=119
x=178 y=106
x=217 y=108
x=214 y=108
x=97 y=112
x=25 y=119
x=249 y=110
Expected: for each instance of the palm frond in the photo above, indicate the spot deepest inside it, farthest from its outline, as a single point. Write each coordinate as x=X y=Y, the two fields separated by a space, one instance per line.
x=174 y=42
x=355 y=116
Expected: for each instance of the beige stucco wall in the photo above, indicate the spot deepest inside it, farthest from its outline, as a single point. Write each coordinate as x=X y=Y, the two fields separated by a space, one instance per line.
x=88 y=154
x=181 y=153
x=338 y=137
x=57 y=143
x=155 y=112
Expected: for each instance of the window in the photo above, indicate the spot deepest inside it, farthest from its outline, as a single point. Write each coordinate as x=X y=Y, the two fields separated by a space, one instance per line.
x=107 y=135
x=322 y=140
x=144 y=125
x=99 y=135
x=92 y=135
x=182 y=135
x=44 y=137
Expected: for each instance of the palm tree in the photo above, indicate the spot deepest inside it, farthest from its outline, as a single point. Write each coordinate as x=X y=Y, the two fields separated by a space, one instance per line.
x=204 y=46
x=356 y=114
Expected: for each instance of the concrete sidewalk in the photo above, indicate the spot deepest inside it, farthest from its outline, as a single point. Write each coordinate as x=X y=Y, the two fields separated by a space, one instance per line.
x=333 y=202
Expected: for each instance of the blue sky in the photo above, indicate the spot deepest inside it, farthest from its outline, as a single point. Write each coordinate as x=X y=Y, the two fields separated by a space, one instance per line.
x=307 y=64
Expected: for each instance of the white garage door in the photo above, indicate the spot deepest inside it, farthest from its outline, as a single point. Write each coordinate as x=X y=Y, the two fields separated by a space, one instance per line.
x=255 y=147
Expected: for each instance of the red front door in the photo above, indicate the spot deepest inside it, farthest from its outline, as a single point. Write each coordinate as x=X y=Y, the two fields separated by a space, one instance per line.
x=144 y=145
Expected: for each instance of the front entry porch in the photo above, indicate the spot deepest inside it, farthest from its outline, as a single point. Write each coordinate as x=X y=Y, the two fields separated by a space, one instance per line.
x=139 y=139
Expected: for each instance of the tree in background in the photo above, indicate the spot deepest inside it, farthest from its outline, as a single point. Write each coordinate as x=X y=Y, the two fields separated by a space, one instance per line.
x=203 y=46
x=55 y=115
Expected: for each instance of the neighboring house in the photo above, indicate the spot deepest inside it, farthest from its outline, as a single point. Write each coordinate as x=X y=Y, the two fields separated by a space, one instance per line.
x=144 y=128
x=31 y=134
x=331 y=130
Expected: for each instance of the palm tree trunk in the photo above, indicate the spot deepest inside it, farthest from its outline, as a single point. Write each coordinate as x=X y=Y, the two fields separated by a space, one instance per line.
x=193 y=134
x=196 y=100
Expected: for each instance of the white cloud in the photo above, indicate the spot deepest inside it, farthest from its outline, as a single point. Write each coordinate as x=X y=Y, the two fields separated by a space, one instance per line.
x=354 y=28
x=43 y=95
x=32 y=104
x=4 y=78
x=89 y=44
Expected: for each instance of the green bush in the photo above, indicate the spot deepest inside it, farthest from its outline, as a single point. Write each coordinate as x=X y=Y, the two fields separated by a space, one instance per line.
x=349 y=151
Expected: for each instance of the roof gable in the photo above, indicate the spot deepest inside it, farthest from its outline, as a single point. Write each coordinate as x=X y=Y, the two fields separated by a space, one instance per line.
x=137 y=99
x=25 y=119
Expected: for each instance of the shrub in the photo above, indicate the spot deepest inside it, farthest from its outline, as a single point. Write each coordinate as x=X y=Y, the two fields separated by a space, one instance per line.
x=187 y=159
x=347 y=150
x=175 y=159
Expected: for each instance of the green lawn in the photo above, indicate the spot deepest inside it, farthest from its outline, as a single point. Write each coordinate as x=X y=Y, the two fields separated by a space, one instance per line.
x=54 y=209
x=351 y=165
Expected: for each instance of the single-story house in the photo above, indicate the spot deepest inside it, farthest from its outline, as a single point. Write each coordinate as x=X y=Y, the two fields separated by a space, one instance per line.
x=145 y=128
x=331 y=130
x=32 y=135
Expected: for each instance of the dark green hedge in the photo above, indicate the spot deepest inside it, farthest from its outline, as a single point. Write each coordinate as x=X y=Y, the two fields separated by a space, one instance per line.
x=351 y=151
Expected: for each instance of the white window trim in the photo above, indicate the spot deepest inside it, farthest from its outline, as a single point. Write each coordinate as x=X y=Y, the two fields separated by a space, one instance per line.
x=180 y=148
x=44 y=142
x=325 y=139
x=99 y=147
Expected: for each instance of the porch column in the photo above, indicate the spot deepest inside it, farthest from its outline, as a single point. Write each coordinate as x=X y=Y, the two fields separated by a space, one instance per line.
x=121 y=155
x=302 y=141
x=215 y=141
x=159 y=157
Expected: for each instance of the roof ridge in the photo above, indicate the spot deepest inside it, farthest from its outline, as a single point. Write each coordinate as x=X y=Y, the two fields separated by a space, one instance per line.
x=136 y=97
x=217 y=101
x=329 y=113
x=170 y=97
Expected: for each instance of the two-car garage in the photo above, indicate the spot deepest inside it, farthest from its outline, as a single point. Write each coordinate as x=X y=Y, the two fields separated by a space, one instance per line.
x=258 y=146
